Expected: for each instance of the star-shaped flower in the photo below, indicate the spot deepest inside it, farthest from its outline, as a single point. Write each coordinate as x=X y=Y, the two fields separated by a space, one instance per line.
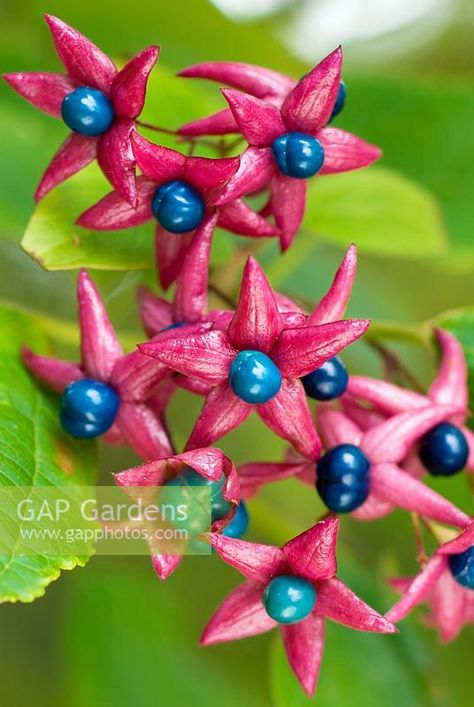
x=446 y=583
x=180 y=193
x=294 y=587
x=288 y=145
x=255 y=364
x=450 y=387
x=360 y=472
x=108 y=392
x=99 y=104
x=208 y=464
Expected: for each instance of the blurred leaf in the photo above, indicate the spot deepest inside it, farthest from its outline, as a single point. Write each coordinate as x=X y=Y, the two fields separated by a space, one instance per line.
x=382 y=211
x=34 y=452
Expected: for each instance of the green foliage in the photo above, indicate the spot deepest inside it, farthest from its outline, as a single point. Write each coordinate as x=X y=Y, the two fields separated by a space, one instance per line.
x=461 y=323
x=34 y=451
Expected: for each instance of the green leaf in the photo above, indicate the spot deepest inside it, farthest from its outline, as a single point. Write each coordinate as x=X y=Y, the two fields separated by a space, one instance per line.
x=34 y=451
x=380 y=210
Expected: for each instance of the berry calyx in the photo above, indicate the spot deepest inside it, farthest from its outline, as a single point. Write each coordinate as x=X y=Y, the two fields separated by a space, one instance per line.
x=444 y=450
x=188 y=477
x=327 y=382
x=239 y=523
x=88 y=408
x=178 y=206
x=462 y=567
x=254 y=377
x=288 y=599
x=87 y=111
x=340 y=100
x=343 y=478
x=298 y=155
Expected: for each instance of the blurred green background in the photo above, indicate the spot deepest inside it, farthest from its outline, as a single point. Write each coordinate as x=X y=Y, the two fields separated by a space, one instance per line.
x=111 y=634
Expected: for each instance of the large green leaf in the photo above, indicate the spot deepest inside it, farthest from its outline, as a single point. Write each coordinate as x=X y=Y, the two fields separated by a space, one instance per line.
x=34 y=451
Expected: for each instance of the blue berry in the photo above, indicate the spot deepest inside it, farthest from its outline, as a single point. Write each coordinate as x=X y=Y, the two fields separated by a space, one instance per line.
x=327 y=382
x=87 y=111
x=178 y=207
x=298 y=155
x=188 y=477
x=176 y=325
x=239 y=523
x=340 y=100
x=289 y=599
x=88 y=408
x=254 y=377
x=462 y=567
x=444 y=450
x=343 y=478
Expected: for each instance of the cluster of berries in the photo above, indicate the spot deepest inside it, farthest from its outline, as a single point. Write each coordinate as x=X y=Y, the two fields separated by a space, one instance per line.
x=371 y=442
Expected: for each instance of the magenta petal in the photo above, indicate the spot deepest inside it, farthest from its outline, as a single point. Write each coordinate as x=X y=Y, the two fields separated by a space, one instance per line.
x=363 y=416
x=259 y=121
x=419 y=588
x=153 y=473
x=113 y=212
x=221 y=413
x=128 y=88
x=312 y=554
x=209 y=462
x=44 y=90
x=469 y=435
x=220 y=123
x=84 y=62
x=450 y=385
x=288 y=205
x=250 y=78
x=338 y=603
x=300 y=351
x=257 y=167
x=344 y=151
x=160 y=164
x=170 y=251
x=387 y=397
x=190 y=299
x=336 y=428
x=257 y=322
x=117 y=161
x=304 y=645
x=74 y=154
x=333 y=305
x=155 y=313
x=114 y=436
x=238 y=217
x=55 y=373
x=392 y=484
x=309 y=105
x=158 y=402
x=289 y=416
x=257 y=474
x=206 y=173
x=373 y=508
x=449 y=612
x=206 y=356
x=459 y=544
x=255 y=561
x=100 y=347
x=135 y=376
x=391 y=440
x=165 y=565
x=242 y=614
x=143 y=431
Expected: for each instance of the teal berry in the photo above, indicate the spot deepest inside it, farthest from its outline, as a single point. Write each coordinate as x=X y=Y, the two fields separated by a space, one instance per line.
x=298 y=155
x=88 y=408
x=289 y=599
x=462 y=567
x=87 y=111
x=254 y=377
x=178 y=206
x=190 y=478
x=239 y=523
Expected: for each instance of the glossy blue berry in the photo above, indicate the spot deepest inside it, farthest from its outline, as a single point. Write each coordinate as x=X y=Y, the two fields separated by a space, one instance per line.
x=462 y=567
x=88 y=408
x=87 y=111
x=188 y=477
x=178 y=207
x=298 y=155
x=444 y=450
x=340 y=100
x=343 y=478
x=176 y=325
x=239 y=523
x=289 y=599
x=254 y=377
x=327 y=382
